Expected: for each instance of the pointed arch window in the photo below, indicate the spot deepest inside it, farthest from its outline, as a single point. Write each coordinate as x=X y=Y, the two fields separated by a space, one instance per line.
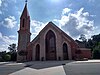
x=65 y=51
x=50 y=44
x=37 y=56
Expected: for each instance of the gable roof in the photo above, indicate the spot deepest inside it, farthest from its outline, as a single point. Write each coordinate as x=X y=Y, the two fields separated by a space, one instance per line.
x=81 y=44
x=51 y=24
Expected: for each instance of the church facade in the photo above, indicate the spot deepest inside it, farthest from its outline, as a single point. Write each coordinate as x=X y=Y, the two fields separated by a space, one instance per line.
x=50 y=44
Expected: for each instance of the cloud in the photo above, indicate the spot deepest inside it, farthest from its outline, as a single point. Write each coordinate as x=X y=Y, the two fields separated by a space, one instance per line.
x=66 y=10
x=76 y=23
x=0 y=6
x=5 y=41
x=0 y=3
x=19 y=13
x=0 y=35
x=9 y=22
x=12 y=36
x=36 y=27
x=73 y=23
x=14 y=1
x=4 y=47
x=0 y=12
x=91 y=0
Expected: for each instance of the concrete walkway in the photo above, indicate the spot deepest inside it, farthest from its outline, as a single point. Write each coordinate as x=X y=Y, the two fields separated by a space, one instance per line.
x=47 y=71
x=90 y=61
x=47 y=67
x=43 y=68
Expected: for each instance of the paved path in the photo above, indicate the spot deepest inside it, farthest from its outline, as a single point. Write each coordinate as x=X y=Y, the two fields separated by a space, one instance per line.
x=43 y=68
x=47 y=71
x=90 y=67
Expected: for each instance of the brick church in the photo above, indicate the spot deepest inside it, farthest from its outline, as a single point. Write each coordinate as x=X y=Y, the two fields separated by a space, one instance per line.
x=50 y=44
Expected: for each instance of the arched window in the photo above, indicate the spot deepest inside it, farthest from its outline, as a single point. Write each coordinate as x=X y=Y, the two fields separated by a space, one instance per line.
x=65 y=51
x=50 y=44
x=37 y=54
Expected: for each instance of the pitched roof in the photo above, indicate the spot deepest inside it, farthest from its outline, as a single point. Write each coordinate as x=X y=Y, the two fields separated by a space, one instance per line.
x=81 y=44
x=57 y=28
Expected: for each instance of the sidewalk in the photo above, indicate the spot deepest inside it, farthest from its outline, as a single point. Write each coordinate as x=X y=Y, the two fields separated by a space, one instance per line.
x=43 y=67
x=48 y=71
x=2 y=63
x=48 y=67
x=90 y=61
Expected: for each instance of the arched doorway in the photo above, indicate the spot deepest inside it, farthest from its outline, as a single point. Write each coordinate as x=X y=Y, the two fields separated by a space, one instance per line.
x=37 y=56
x=65 y=51
x=50 y=44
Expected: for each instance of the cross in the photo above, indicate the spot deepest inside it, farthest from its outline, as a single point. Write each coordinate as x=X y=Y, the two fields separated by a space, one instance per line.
x=26 y=1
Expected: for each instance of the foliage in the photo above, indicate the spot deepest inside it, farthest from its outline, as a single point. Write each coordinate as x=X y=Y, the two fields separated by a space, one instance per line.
x=13 y=52
x=96 y=54
x=7 y=57
x=2 y=54
x=83 y=38
x=12 y=48
x=96 y=51
x=93 y=44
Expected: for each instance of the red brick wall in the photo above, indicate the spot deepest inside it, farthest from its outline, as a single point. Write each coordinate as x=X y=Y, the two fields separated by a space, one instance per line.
x=29 y=55
x=86 y=53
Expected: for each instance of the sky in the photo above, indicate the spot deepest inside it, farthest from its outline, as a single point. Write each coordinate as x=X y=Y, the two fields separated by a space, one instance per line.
x=75 y=17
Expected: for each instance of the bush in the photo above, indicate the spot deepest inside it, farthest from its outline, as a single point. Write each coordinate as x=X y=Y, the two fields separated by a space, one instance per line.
x=96 y=54
x=1 y=59
x=7 y=57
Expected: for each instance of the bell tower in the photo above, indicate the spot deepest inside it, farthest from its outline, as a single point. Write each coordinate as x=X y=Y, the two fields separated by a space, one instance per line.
x=23 y=33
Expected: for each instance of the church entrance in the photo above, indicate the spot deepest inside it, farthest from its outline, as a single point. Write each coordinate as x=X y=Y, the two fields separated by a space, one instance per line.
x=65 y=51
x=50 y=44
x=37 y=56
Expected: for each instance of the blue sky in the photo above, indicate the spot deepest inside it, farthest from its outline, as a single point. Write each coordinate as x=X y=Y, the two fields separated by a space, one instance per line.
x=75 y=17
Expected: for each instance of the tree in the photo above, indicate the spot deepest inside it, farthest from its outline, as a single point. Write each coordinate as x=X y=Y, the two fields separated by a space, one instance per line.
x=96 y=51
x=83 y=38
x=12 y=48
x=90 y=44
x=2 y=55
x=12 y=52
x=7 y=57
x=93 y=43
x=96 y=38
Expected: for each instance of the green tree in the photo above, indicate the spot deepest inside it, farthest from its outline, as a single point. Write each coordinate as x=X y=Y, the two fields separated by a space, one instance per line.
x=2 y=55
x=83 y=38
x=96 y=51
x=7 y=57
x=93 y=44
x=12 y=52
x=12 y=48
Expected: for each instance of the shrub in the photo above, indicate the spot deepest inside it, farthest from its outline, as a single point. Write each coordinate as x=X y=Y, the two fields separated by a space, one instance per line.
x=7 y=57
x=96 y=54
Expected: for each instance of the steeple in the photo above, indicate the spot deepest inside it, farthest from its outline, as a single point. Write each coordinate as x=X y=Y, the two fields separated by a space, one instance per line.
x=25 y=19
x=24 y=32
x=25 y=11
